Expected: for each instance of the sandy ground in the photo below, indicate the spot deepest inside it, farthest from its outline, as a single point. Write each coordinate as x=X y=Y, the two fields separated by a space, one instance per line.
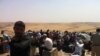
x=60 y=53
x=88 y=27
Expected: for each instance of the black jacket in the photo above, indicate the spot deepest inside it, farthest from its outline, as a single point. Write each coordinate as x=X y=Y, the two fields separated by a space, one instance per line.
x=20 y=47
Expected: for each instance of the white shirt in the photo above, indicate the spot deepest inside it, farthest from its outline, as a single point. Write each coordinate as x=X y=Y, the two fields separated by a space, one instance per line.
x=48 y=43
x=39 y=35
x=78 y=48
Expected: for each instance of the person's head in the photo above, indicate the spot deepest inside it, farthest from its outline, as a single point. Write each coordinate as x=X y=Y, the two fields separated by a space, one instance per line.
x=44 y=36
x=98 y=30
x=2 y=32
x=66 y=32
x=19 y=28
x=80 y=41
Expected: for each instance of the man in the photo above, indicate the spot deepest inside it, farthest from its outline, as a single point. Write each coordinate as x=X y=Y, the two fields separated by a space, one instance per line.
x=66 y=42
x=6 y=38
x=96 y=43
x=1 y=46
x=78 y=47
x=20 y=44
x=46 y=44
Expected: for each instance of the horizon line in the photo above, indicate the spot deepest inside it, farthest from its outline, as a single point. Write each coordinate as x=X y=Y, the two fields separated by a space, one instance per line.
x=50 y=22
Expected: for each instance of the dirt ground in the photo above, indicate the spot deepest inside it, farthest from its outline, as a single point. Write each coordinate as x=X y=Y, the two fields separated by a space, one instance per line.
x=59 y=54
x=78 y=27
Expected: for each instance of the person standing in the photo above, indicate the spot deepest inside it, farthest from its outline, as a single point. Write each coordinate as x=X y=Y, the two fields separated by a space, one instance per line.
x=46 y=46
x=6 y=38
x=20 y=44
x=96 y=43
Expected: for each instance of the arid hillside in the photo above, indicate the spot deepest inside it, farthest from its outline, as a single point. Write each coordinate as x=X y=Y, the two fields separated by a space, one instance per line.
x=88 y=27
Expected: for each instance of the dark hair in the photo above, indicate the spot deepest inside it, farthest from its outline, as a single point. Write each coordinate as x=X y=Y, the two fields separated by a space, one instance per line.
x=19 y=24
x=2 y=31
x=98 y=30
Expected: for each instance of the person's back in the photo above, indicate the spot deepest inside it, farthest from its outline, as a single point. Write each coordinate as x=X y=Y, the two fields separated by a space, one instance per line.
x=48 y=43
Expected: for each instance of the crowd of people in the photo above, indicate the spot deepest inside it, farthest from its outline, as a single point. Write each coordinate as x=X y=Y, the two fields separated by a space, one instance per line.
x=69 y=42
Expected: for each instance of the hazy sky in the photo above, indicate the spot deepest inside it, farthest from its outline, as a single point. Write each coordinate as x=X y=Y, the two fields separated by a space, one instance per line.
x=50 y=10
